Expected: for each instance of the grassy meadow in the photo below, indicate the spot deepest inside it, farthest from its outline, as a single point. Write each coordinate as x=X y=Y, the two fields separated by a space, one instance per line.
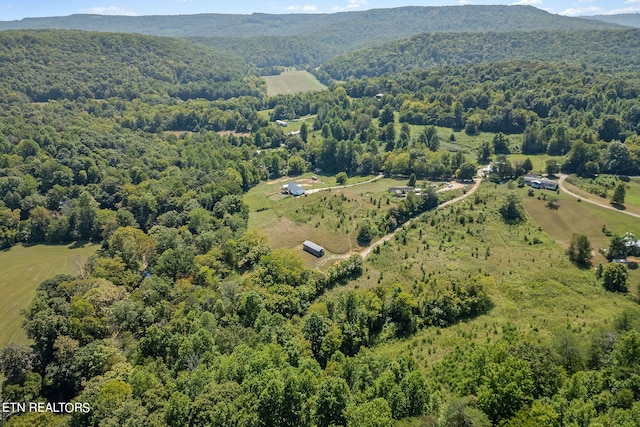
x=535 y=290
x=328 y=218
x=22 y=269
x=291 y=82
x=600 y=189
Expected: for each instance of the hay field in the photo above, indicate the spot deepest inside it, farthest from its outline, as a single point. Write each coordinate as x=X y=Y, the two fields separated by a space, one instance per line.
x=290 y=82
x=22 y=269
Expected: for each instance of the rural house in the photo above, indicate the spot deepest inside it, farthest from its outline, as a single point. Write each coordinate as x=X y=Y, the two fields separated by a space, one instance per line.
x=536 y=181
x=293 y=189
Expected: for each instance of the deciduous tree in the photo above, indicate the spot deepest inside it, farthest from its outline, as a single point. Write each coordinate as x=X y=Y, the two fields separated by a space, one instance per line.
x=580 y=250
x=615 y=277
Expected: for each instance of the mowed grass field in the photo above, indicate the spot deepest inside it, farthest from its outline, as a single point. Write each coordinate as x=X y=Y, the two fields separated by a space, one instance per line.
x=290 y=82
x=573 y=216
x=329 y=218
x=22 y=269
x=582 y=188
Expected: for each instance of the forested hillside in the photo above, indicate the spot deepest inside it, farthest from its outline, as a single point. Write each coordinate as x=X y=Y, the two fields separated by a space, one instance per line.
x=46 y=65
x=301 y=40
x=615 y=49
x=626 y=19
x=470 y=313
x=380 y=24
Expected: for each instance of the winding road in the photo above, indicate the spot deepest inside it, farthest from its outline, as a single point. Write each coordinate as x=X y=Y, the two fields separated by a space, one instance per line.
x=589 y=200
x=367 y=251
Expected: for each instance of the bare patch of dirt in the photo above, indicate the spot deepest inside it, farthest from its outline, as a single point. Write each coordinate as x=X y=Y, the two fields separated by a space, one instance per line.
x=306 y=182
x=279 y=180
x=178 y=132
x=233 y=132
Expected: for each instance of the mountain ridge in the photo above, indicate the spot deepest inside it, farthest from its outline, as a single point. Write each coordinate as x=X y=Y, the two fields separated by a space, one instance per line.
x=408 y=20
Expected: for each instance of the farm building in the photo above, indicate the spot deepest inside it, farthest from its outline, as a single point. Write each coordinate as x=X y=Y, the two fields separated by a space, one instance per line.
x=312 y=248
x=536 y=181
x=282 y=123
x=293 y=189
x=401 y=191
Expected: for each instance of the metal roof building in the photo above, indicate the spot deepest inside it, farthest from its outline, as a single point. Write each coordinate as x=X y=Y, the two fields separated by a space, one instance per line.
x=293 y=189
x=313 y=248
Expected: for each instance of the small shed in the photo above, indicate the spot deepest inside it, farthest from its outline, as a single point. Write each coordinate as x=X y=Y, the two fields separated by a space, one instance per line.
x=313 y=248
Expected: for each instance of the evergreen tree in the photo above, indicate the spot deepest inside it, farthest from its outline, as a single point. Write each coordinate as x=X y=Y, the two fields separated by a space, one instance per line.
x=618 y=194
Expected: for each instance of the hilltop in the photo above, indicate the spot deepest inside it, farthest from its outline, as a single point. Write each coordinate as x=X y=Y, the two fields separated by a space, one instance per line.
x=376 y=22
x=606 y=48
x=627 y=19
x=310 y=39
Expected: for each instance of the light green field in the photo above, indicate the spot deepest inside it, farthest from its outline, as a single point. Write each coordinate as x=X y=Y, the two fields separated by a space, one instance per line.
x=324 y=217
x=632 y=195
x=22 y=269
x=329 y=218
x=536 y=291
x=578 y=217
x=632 y=190
x=290 y=82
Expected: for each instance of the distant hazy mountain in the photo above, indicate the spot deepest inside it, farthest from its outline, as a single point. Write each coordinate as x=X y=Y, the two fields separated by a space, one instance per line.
x=381 y=24
x=627 y=19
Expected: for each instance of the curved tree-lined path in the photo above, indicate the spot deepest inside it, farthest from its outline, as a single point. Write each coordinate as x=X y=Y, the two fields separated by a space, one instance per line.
x=590 y=200
x=367 y=251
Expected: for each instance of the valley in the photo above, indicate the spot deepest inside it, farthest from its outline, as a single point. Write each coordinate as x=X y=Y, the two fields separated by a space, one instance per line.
x=156 y=190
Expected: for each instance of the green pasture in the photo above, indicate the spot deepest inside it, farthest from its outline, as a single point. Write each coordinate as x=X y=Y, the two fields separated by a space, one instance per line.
x=605 y=184
x=329 y=218
x=572 y=216
x=291 y=82
x=22 y=269
x=632 y=195
x=536 y=291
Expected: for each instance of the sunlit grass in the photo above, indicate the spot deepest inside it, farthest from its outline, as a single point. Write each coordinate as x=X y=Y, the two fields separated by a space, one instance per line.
x=22 y=269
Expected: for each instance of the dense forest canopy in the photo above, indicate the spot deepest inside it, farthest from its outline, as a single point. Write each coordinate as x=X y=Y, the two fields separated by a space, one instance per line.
x=382 y=24
x=187 y=317
x=45 y=65
x=610 y=50
x=310 y=39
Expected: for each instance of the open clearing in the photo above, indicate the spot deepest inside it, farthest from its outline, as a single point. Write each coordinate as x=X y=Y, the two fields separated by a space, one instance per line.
x=536 y=291
x=329 y=218
x=572 y=216
x=290 y=82
x=22 y=269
